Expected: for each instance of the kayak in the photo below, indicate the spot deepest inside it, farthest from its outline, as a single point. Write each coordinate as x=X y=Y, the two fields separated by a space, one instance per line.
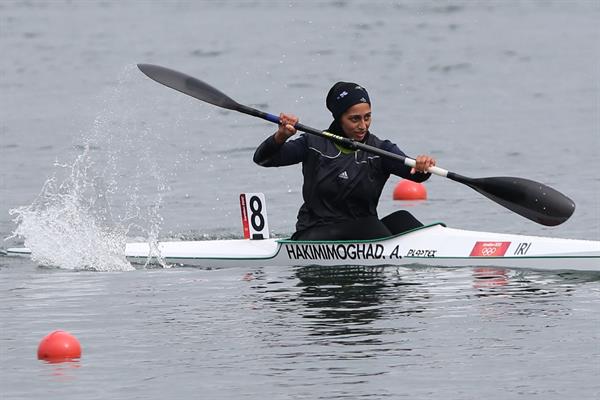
x=434 y=245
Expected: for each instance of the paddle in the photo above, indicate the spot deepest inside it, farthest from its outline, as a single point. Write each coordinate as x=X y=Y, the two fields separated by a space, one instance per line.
x=530 y=199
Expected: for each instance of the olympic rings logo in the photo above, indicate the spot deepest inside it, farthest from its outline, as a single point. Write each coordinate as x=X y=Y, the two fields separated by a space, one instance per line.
x=488 y=251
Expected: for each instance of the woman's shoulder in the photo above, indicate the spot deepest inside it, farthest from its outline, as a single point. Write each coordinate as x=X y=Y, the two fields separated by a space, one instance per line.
x=316 y=141
x=319 y=146
x=374 y=140
x=384 y=144
x=309 y=141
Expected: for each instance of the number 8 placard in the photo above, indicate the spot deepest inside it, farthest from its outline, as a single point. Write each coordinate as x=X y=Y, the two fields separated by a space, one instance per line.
x=254 y=216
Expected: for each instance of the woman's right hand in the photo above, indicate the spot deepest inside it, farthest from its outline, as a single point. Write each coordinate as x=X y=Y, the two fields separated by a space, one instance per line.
x=286 y=127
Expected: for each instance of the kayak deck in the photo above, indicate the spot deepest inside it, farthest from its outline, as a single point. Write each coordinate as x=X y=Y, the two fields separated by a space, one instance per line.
x=209 y=249
x=432 y=245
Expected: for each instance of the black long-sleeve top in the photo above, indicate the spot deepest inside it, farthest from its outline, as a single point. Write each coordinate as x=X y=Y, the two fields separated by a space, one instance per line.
x=339 y=184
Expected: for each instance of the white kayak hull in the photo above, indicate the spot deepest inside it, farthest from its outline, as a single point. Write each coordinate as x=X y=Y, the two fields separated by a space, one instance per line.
x=433 y=245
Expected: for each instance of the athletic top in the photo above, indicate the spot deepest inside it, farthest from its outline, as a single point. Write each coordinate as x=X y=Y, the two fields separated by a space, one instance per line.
x=339 y=184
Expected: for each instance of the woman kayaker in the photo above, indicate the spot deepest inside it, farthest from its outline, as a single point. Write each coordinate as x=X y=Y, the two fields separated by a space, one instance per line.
x=341 y=187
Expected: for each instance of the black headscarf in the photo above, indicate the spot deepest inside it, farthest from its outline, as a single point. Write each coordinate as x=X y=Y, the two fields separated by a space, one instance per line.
x=341 y=97
x=344 y=95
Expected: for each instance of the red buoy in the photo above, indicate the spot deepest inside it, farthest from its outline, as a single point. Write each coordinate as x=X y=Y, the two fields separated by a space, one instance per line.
x=409 y=190
x=59 y=346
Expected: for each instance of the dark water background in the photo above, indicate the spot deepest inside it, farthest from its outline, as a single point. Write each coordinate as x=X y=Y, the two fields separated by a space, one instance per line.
x=489 y=88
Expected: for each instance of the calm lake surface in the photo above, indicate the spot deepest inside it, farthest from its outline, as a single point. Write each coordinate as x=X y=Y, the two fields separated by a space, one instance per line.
x=94 y=154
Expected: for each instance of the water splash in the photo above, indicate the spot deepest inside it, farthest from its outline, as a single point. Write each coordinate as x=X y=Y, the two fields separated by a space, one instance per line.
x=114 y=189
x=66 y=227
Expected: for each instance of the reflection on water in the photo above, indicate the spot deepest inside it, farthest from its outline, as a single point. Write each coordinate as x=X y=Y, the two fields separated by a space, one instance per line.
x=353 y=326
x=348 y=274
x=341 y=301
x=344 y=303
x=523 y=284
x=350 y=305
x=485 y=277
x=63 y=371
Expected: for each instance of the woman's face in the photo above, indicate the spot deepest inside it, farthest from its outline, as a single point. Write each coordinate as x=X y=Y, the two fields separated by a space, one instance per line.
x=356 y=121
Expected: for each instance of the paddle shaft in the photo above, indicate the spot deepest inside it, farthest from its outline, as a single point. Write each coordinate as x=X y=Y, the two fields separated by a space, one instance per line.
x=343 y=141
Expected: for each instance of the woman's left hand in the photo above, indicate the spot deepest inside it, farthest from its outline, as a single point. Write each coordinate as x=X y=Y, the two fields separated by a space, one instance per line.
x=423 y=163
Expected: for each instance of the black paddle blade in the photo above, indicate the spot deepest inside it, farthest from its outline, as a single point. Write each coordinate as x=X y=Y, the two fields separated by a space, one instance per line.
x=532 y=200
x=188 y=85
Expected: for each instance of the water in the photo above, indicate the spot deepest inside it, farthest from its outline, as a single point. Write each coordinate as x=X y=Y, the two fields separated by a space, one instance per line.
x=94 y=154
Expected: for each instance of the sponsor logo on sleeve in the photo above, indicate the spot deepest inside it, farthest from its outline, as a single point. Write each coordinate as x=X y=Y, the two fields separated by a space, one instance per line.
x=489 y=249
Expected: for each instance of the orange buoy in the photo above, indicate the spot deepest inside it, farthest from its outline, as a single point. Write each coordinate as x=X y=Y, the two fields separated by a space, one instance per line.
x=409 y=190
x=59 y=346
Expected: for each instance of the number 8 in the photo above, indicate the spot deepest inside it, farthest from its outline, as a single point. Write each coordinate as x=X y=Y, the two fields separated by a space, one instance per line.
x=256 y=208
